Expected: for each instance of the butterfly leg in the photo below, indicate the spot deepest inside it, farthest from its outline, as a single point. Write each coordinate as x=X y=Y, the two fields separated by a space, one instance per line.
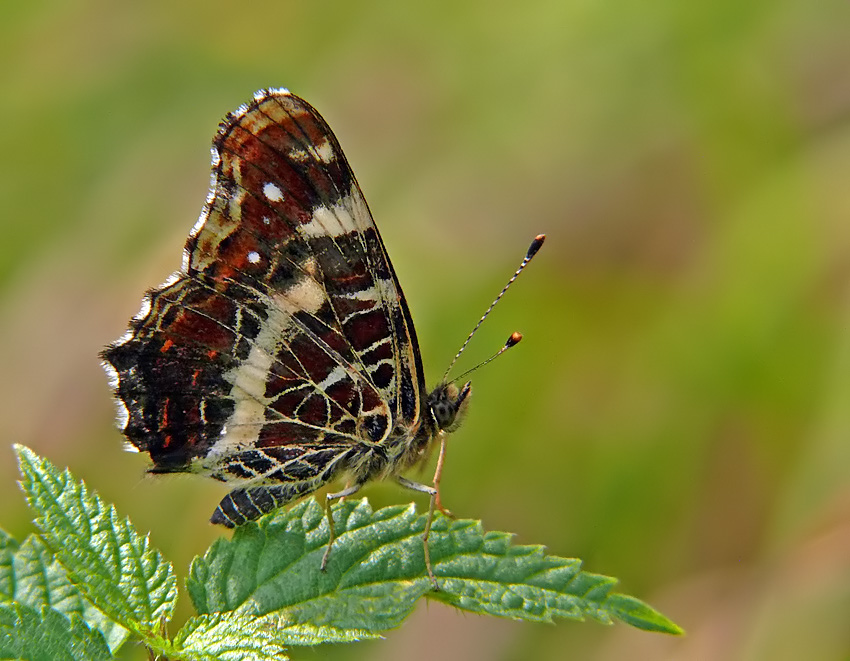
x=438 y=474
x=342 y=498
x=348 y=491
x=431 y=491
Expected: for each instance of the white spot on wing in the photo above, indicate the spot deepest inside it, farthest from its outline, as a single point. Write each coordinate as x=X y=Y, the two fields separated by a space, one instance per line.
x=272 y=192
x=338 y=373
x=253 y=257
x=382 y=290
x=323 y=152
x=306 y=294
x=347 y=215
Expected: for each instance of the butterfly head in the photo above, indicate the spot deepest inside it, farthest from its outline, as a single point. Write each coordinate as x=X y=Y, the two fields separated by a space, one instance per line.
x=448 y=404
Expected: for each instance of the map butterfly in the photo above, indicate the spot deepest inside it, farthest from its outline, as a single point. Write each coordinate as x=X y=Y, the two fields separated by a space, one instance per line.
x=282 y=355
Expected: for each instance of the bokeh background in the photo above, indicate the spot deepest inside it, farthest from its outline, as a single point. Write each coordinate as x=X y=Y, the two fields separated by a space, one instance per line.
x=678 y=415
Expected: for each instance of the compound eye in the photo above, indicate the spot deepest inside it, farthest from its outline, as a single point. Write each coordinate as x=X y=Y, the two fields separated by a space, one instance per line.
x=443 y=412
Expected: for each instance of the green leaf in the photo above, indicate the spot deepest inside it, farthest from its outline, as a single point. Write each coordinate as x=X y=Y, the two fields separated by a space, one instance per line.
x=376 y=572
x=8 y=546
x=37 y=580
x=308 y=634
x=40 y=581
x=229 y=637
x=114 y=567
x=47 y=635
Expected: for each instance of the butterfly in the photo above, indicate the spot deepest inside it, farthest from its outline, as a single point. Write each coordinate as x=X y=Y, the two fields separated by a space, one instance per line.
x=283 y=355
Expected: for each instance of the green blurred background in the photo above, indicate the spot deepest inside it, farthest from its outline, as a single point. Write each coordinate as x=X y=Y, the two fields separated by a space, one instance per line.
x=679 y=413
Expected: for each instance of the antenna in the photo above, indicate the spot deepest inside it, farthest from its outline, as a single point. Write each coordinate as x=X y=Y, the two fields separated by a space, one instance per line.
x=515 y=337
x=513 y=340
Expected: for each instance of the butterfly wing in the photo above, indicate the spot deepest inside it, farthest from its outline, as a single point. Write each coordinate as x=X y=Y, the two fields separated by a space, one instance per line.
x=284 y=346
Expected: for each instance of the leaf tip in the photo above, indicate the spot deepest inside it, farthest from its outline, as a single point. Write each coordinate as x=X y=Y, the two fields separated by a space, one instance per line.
x=641 y=616
x=23 y=453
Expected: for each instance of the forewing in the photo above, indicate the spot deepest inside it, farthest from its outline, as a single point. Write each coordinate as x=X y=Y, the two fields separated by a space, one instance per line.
x=286 y=331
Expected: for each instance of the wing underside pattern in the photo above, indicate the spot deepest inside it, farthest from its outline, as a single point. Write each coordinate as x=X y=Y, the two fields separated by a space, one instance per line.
x=284 y=348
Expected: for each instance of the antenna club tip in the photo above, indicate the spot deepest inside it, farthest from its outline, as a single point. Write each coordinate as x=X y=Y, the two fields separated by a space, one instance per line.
x=535 y=245
x=513 y=340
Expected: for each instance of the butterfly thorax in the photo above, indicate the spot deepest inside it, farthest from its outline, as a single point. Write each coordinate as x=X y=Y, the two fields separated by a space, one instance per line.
x=444 y=410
